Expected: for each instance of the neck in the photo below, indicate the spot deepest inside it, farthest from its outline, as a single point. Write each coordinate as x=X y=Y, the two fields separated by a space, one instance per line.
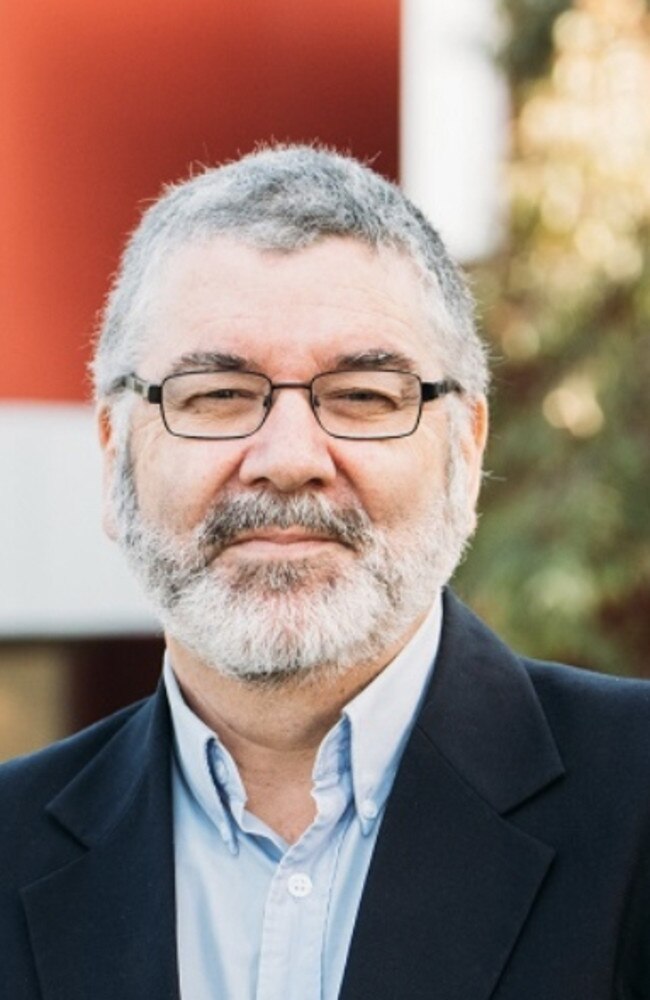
x=274 y=731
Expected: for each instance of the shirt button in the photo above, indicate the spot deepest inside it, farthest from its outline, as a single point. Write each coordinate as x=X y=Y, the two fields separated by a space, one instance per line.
x=299 y=885
x=222 y=772
x=369 y=809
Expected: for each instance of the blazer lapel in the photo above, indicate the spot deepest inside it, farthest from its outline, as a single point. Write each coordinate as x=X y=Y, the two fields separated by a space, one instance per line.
x=452 y=881
x=104 y=925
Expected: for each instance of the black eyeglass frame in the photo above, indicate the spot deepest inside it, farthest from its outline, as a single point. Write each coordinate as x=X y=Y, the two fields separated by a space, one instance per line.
x=152 y=392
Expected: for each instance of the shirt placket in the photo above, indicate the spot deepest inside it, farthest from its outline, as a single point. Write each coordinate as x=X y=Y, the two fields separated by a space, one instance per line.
x=297 y=907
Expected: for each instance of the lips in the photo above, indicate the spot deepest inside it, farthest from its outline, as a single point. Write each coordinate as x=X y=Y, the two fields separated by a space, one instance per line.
x=277 y=536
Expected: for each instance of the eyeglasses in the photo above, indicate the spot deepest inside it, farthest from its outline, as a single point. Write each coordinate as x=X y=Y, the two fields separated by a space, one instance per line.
x=360 y=405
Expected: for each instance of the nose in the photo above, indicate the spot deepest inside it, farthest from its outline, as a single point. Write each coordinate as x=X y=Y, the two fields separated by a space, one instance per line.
x=290 y=450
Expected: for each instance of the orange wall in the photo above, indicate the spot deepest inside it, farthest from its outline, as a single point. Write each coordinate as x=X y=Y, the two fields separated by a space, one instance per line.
x=103 y=101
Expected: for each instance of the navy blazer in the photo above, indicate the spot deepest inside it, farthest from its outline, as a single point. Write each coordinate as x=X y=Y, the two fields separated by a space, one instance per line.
x=512 y=862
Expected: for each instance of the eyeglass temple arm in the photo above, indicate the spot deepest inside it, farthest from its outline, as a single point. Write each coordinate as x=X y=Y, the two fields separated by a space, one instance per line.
x=433 y=390
x=152 y=393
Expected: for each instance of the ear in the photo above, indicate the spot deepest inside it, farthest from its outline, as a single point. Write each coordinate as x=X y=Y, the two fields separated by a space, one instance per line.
x=107 y=442
x=473 y=444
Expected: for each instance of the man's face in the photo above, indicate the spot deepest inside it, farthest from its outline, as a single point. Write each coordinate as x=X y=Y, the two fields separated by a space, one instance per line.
x=283 y=550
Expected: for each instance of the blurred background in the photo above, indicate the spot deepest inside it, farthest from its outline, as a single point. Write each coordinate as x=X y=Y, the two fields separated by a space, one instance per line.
x=522 y=127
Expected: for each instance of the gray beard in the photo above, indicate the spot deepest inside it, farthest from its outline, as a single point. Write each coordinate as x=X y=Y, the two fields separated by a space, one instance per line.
x=271 y=621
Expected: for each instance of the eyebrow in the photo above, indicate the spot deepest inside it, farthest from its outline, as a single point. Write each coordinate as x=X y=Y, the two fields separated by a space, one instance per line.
x=375 y=358
x=368 y=360
x=213 y=360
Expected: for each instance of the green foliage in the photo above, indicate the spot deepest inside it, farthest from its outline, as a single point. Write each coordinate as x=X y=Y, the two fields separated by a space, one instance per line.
x=561 y=562
x=528 y=52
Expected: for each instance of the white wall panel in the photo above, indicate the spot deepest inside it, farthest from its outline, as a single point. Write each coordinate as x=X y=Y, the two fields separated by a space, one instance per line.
x=59 y=574
x=453 y=118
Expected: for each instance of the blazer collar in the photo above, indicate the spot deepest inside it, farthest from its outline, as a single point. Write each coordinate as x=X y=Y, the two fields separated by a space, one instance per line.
x=104 y=925
x=452 y=880
x=483 y=715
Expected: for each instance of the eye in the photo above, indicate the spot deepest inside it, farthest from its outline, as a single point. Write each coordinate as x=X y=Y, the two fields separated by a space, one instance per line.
x=219 y=399
x=371 y=396
x=359 y=398
x=228 y=394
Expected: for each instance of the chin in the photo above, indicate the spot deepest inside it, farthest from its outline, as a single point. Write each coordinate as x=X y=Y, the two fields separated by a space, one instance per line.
x=282 y=576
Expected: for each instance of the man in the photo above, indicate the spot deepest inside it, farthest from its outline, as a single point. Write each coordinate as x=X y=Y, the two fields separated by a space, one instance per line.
x=345 y=785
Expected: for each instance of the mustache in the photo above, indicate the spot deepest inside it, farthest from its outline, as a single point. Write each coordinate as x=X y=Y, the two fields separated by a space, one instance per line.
x=233 y=516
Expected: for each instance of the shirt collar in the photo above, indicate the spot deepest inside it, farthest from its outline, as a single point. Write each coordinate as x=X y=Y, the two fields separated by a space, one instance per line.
x=368 y=739
x=205 y=765
x=382 y=716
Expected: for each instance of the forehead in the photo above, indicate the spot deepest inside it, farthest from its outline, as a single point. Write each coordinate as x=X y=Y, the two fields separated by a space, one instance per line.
x=298 y=309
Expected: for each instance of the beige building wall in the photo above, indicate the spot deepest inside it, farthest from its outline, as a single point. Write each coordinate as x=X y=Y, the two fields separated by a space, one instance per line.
x=35 y=680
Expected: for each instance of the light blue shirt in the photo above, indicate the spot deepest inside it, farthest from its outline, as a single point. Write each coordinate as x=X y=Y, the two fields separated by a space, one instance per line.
x=260 y=919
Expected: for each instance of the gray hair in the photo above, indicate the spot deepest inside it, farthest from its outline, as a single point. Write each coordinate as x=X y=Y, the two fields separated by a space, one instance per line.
x=286 y=198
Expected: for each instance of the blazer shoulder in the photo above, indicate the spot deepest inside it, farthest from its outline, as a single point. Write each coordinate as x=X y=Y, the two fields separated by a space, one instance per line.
x=606 y=715
x=57 y=803
x=560 y=681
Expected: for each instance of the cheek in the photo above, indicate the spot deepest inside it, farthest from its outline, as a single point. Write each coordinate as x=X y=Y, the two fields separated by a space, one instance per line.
x=397 y=481
x=179 y=480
